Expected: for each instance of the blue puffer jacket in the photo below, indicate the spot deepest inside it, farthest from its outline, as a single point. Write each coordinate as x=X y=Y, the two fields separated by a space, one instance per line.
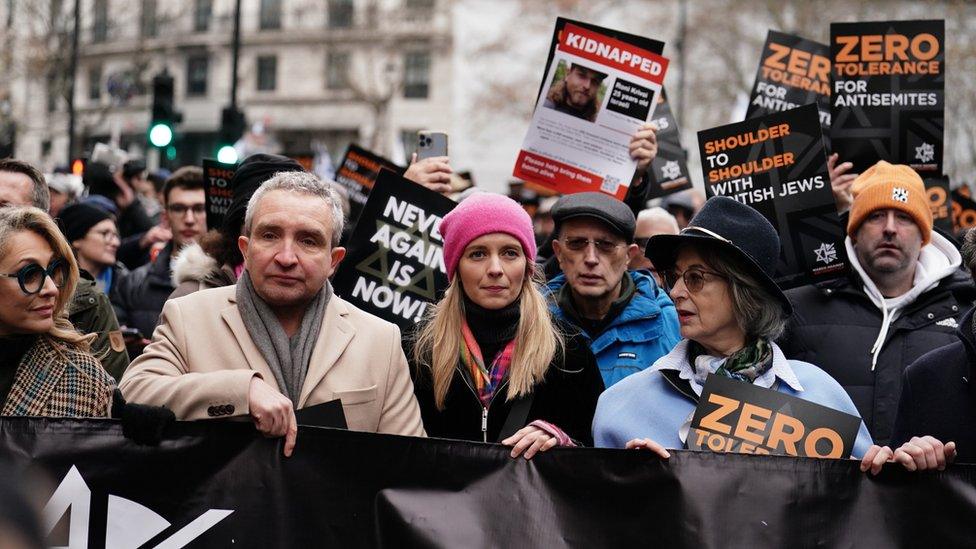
x=642 y=333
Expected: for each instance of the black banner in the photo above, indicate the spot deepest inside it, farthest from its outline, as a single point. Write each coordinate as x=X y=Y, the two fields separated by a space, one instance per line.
x=793 y=71
x=733 y=416
x=888 y=101
x=220 y=484
x=777 y=165
x=394 y=264
x=216 y=187
x=357 y=172
x=669 y=169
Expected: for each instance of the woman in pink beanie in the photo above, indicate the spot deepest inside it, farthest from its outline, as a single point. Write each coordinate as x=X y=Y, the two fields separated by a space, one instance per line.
x=490 y=364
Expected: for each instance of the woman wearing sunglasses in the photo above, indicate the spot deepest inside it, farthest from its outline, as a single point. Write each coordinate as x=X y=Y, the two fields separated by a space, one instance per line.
x=94 y=238
x=46 y=368
x=491 y=364
x=719 y=274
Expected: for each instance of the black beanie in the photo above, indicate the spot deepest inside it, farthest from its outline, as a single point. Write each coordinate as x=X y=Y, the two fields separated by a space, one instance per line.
x=251 y=173
x=77 y=219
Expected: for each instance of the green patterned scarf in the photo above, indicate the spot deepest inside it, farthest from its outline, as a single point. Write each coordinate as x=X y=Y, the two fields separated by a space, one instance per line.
x=746 y=364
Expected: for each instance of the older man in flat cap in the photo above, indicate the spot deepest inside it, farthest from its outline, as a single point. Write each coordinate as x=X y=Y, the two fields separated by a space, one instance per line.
x=629 y=321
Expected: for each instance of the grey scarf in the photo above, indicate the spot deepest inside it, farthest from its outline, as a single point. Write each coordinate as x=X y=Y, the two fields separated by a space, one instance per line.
x=287 y=357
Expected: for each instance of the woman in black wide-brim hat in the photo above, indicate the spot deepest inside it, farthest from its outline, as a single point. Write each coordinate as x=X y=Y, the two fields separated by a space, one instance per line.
x=718 y=272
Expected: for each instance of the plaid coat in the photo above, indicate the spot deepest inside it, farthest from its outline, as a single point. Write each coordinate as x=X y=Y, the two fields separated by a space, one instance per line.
x=59 y=382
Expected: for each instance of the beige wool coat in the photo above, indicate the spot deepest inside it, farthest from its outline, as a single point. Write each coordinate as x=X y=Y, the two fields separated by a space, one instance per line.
x=201 y=361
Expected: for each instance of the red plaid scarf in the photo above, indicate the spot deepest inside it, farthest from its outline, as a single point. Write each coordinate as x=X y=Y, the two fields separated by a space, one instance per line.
x=485 y=381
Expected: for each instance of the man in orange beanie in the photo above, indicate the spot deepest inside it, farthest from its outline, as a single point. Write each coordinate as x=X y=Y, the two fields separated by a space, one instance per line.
x=903 y=298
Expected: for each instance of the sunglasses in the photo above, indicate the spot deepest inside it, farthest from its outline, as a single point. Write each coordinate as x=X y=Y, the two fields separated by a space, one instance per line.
x=31 y=277
x=578 y=244
x=694 y=279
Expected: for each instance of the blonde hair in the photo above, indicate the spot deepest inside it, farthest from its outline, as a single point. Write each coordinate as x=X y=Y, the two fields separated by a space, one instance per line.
x=538 y=340
x=14 y=220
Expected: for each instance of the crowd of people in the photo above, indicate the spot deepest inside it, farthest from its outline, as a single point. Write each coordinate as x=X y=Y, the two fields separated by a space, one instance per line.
x=594 y=323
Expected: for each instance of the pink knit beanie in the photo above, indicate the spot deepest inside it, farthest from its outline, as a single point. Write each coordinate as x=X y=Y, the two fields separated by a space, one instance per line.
x=481 y=214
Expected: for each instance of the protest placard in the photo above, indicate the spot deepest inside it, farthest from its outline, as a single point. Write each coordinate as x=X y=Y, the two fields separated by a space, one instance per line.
x=888 y=100
x=357 y=172
x=669 y=170
x=940 y=201
x=217 y=189
x=394 y=264
x=793 y=71
x=597 y=93
x=777 y=165
x=735 y=416
x=963 y=209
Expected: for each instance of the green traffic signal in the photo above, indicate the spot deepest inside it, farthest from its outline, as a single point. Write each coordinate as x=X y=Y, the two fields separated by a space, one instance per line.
x=160 y=135
x=227 y=155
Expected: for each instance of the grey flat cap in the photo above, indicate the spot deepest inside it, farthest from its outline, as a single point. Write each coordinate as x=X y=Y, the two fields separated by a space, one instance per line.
x=599 y=206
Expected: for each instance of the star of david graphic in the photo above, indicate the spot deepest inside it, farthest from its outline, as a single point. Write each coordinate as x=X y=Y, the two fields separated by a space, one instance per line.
x=925 y=152
x=378 y=263
x=671 y=170
x=826 y=253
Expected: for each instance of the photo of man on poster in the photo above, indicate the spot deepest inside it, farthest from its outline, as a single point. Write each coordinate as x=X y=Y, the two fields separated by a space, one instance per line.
x=577 y=91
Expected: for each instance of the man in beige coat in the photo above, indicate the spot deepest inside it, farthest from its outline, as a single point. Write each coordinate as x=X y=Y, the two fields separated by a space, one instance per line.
x=279 y=340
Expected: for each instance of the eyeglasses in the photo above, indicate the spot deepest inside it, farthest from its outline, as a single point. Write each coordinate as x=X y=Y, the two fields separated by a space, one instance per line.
x=31 y=276
x=603 y=246
x=694 y=279
x=108 y=235
x=181 y=209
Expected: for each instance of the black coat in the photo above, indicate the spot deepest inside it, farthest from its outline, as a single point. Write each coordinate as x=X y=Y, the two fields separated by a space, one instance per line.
x=566 y=398
x=835 y=324
x=938 y=395
x=139 y=297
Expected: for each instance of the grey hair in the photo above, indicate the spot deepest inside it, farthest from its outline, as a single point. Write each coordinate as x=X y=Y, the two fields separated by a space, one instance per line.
x=301 y=183
x=658 y=214
x=757 y=312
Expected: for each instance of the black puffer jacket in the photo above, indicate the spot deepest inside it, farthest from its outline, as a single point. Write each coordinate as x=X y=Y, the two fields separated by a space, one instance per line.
x=939 y=395
x=835 y=325
x=566 y=398
x=139 y=297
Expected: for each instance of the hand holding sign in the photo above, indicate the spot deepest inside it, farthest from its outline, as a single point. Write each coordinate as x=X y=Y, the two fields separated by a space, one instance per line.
x=643 y=148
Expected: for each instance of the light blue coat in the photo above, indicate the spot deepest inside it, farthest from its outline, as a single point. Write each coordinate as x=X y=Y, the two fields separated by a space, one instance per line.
x=646 y=405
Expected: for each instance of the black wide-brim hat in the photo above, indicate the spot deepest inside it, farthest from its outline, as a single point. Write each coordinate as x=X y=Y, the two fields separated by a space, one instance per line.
x=726 y=223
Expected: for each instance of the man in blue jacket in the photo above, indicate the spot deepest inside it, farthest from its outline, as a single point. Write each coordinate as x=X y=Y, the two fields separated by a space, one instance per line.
x=629 y=321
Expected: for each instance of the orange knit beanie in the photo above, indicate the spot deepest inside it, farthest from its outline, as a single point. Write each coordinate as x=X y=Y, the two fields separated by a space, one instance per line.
x=890 y=186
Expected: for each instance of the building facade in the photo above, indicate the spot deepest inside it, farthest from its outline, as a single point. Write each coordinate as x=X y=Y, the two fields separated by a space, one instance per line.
x=312 y=74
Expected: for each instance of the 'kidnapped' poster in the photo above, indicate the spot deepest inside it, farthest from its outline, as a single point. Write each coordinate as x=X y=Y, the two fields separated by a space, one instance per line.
x=394 y=264
x=888 y=101
x=597 y=93
x=777 y=165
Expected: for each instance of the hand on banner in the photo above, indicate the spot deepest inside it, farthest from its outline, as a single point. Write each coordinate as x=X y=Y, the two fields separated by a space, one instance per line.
x=875 y=458
x=433 y=173
x=648 y=444
x=530 y=440
x=643 y=147
x=925 y=453
x=840 y=182
x=272 y=413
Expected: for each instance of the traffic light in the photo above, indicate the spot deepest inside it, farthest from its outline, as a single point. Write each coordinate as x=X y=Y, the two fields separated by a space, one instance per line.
x=231 y=129
x=164 y=114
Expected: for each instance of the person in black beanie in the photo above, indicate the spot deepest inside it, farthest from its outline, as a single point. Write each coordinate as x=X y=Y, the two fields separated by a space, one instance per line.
x=216 y=261
x=93 y=236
